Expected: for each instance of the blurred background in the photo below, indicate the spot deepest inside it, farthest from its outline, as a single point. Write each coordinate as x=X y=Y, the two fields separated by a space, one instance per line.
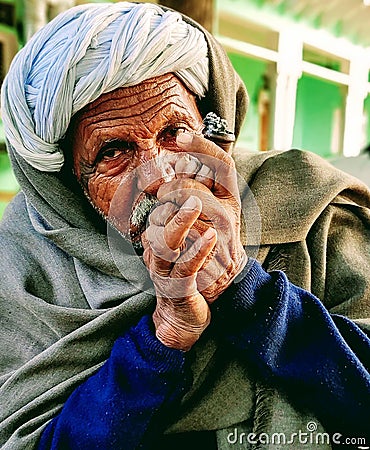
x=305 y=63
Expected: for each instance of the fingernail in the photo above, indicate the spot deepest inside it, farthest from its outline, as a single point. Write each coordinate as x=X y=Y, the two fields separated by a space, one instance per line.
x=184 y=138
x=209 y=234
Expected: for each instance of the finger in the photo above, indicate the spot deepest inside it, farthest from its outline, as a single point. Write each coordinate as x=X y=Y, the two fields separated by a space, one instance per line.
x=165 y=241
x=179 y=191
x=177 y=229
x=154 y=234
x=163 y=213
x=220 y=162
x=190 y=262
x=156 y=265
x=198 y=229
x=203 y=147
x=187 y=166
x=205 y=176
x=212 y=283
x=213 y=210
x=162 y=245
x=144 y=240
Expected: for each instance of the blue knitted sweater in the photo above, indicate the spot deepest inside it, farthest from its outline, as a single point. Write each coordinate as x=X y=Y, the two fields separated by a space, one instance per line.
x=320 y=361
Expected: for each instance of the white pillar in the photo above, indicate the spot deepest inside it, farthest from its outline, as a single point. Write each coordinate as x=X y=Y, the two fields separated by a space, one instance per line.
x=357 y=92
x=289 y=70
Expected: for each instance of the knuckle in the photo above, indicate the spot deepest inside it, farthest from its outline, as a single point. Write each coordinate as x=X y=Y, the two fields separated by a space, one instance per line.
x=144 y=239
x=147 y=257
x=180 y=218
x=159 y=216
x=162 y=251
x=151 y=234
x=183 y=271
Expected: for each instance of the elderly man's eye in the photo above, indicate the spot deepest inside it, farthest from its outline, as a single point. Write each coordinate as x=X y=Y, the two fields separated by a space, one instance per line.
x=114 y=149
x=171 y=131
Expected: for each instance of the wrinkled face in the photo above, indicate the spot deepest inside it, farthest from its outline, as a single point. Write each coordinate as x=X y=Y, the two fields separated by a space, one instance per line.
x=124 y=147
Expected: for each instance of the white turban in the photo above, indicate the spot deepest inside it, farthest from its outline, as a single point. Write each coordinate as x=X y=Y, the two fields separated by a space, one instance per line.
x=83 y=53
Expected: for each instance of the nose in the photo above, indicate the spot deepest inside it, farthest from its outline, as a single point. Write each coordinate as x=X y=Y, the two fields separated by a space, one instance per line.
x=156 y=167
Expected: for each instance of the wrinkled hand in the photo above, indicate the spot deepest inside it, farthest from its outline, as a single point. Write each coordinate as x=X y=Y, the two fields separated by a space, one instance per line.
x=221 y=209
x=182 y=313
x=192 y=245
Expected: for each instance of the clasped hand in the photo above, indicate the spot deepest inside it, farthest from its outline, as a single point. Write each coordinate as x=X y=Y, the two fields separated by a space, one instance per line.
x=192 y=245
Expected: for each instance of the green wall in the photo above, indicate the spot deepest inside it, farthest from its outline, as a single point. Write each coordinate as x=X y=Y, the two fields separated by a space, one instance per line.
x=316 y=102
x=8 y=183
x=367 y=111
x=251 y=72
x=315 y=106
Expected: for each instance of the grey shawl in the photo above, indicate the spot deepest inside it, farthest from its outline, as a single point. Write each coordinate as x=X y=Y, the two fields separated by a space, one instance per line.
x=56 y=266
